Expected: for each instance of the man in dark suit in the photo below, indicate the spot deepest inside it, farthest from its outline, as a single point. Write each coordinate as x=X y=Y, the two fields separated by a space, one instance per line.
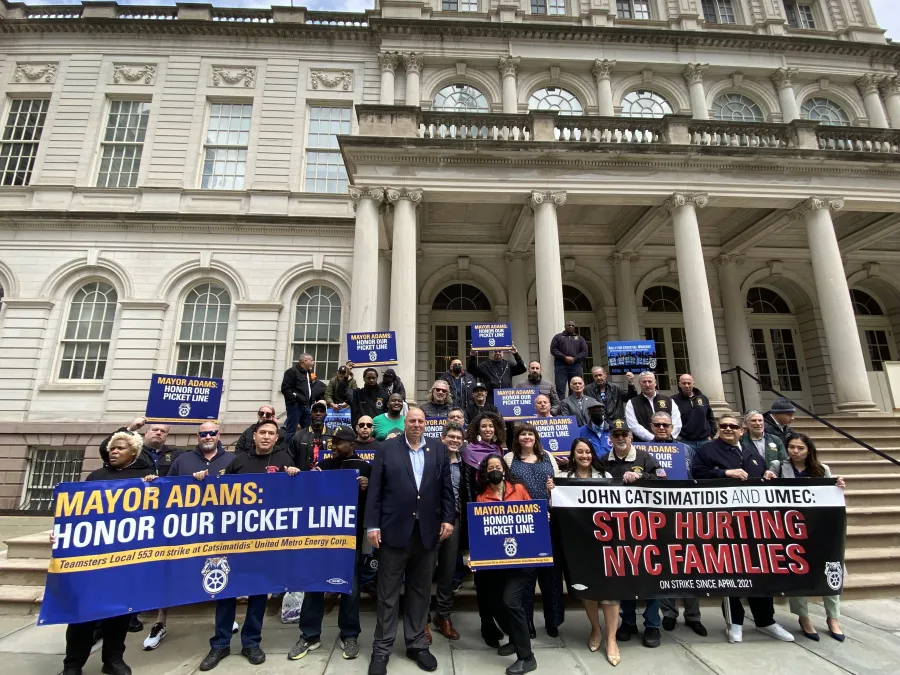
x=409 y=509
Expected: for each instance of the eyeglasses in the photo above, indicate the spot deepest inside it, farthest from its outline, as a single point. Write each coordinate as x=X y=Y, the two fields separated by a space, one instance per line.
x=733 y=427
x=619 y=434
x=443 y=390
x=664 y=425
x=265 y=415
x=207 y=434
x=365 y=425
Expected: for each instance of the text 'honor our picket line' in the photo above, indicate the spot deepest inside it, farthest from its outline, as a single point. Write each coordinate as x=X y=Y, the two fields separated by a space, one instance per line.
x=183 y=389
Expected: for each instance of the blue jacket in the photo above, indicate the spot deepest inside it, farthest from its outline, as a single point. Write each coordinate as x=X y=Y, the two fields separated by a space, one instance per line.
x=189 y=463
x=713 y=459
x=394 y=503
x=600 y=442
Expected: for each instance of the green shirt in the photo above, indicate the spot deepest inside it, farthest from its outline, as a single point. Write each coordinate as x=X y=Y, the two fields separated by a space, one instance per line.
x=385 y=425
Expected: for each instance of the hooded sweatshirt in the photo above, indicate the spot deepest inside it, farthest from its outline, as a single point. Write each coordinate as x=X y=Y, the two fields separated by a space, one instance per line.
x=139 y=468
x=250 y=462
x=191 y=462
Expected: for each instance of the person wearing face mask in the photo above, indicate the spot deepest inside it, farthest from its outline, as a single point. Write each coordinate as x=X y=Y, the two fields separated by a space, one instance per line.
x=390 y=421
x=545 y=387
x=461 y=383
x=595 y=429
x=504 y=591
x=577 y=403
x=371 y=399
x=497 y=372
x=479 y=403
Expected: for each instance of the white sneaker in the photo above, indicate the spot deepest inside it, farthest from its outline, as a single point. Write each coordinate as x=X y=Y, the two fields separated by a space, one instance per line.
x=235 y=628
x=735 y=633
x=777 y=631
x=157 y=633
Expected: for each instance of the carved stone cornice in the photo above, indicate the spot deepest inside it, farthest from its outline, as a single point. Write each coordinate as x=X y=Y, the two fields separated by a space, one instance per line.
x=26 y=72
x=819 y=204
x=536 y=198
x=331 y=80
x=729 y=259
x=524 y=256
x=890 y=85
x=509 y=65
x=144 y=74
x=388 y=61
x=394 y=195
x=602 y=68
x=412 y=62
x=693 y=72
x=679 y=199
x=868 y=83
x=784 y=77
x=623 y=256
x=233 y=76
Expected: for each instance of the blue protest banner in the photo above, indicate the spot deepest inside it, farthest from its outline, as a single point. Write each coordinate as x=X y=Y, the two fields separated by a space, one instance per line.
x=632 y=356
x=509 y=534
x=181 y=399
x=127 y=546
x=372 y=349
x=338 y=418
x=490 y=336
x=366 y=455
x=556 y=433
x=514 y=404
x=434 y=426
x=672 y=457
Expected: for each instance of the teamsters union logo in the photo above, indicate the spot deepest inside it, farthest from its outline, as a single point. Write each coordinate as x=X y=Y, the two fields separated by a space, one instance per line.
x=651 y=364
x=510 y=546
x=215 y=575
x=184 y=410
x=491 y=342
x=517 y=410
x=554 y=445
x=373 y=356
x=834 y=573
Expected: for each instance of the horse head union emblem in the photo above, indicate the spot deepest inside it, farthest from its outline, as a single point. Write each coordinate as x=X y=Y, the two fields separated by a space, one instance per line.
x=215 y=575
x=834 y=573
x=373 y=356
x=510 y=546
x=184 y=410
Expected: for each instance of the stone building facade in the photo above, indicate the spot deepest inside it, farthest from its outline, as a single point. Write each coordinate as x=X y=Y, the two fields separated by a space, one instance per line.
x=212 y=191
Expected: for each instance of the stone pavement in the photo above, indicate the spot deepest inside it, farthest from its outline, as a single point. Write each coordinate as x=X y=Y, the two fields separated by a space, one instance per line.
x=872 y=647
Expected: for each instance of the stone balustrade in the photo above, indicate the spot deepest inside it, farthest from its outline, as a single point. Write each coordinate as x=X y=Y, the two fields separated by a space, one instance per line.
x=720 y=133
x=596 y=129
x=859 y=139
x=475 y=126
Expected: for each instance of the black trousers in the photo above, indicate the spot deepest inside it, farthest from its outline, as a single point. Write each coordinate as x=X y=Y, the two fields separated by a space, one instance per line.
x=551 y=582
x=501 y=594
x=80 y=639
x=762 y=609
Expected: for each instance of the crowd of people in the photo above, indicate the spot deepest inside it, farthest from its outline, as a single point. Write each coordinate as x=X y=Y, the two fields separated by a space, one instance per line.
x=413 y=497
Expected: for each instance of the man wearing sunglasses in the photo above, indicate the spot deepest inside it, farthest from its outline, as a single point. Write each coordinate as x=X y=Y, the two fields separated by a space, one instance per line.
x=438 y=404
x=245 y=442
x=726 y=458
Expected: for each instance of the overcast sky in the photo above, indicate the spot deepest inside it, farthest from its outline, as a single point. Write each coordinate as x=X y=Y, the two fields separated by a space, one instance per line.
x=886 y=11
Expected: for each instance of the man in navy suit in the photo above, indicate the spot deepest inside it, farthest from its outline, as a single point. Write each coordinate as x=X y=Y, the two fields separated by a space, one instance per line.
x=409 y=510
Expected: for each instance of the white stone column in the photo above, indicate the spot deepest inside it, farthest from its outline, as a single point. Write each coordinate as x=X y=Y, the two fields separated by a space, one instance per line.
x=601 y=71
x=364 y=286
x=383 y=311
x=737 y=333
x=890 y=90
x=509 y=66
x=626 y=309
x=695 y=301
x=388 y=62
x=848 y=367
x=403 y=281
x=548 y=272
x=868 y=87
x=413 y=63
x=517 y=290
x=783 y=79
x=693 y=77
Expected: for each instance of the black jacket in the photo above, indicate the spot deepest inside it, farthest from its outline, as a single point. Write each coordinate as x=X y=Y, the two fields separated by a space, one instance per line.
x=642 y=463
x=354 y=461
x=612 y=397
x=302 y=447
x=245 y=442
x=773 y=429
x=253 y=463
x=473 y=410
x=460 y=387
x=371 y=401
x=301 y=388
x=563 y=345
x=713 y=459
x=160 y=459
x=433 y=410
x=191 y=462
x=395 y=387
x=496 y=374
x=138 y=469
x=366 y=451
x=698 y=421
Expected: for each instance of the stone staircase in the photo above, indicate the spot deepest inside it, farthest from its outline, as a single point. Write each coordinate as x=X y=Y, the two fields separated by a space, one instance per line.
x=873 y=518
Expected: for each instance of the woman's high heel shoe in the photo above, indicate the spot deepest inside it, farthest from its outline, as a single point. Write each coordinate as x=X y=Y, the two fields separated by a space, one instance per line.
x=613 y=659
x=594 y=645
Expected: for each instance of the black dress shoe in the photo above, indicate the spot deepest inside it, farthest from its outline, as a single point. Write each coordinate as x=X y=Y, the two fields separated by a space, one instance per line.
x=135 y=625
x=668 y=623
x=212 y=659
x=378 y=665
x=553 y=631
x=651 y=637
x=507 y=650
x=624 y=632
x=254 y=655
x=116 y=668
x=423 y=658
x=695 y=626
x=71 y=671
x=521 y=667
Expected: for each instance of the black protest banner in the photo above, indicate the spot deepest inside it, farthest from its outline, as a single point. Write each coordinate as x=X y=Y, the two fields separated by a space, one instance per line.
x=713 y=538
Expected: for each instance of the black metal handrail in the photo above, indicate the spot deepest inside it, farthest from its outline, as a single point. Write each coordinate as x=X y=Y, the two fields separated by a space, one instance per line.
x=741 y=371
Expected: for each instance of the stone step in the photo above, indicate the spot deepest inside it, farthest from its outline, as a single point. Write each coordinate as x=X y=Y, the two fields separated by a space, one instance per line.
x=23 y=571
x=873 y=515
x=871 y=585
x=827 y=453
x=873 y=481
x=872 y=536
x=848 y=467
x=29 y=546
x=20 y=600
x=872 y=560
x=876 y=497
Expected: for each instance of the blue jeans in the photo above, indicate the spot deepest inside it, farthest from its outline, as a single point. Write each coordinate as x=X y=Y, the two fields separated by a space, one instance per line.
x=313 y=610
x=296 y=416
x=251 y=632
x=628 y=612
x=563 y=372
x=691 y=448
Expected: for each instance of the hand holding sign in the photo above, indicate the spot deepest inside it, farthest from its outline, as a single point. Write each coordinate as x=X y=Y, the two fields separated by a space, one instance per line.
x=491 y=337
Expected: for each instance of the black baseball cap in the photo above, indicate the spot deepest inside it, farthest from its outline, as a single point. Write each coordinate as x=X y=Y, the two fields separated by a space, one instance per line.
x=343 y=434
x=318 y=404
x=479 y=385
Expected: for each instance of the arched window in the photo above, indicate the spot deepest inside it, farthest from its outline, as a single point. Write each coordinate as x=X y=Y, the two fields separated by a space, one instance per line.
x=644 y=103
x=824 y=111
x=662 y=299
x=737 y=108
x=317 y=328
x=864 y=304
x=765 y=301
x=461 y=98
x=554 y=98
x=575 y=301
x=85 y=343
x=461 y=297
x=203 y=331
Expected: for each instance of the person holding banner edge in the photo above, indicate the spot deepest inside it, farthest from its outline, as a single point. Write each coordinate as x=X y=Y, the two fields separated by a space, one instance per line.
x=496 y=372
